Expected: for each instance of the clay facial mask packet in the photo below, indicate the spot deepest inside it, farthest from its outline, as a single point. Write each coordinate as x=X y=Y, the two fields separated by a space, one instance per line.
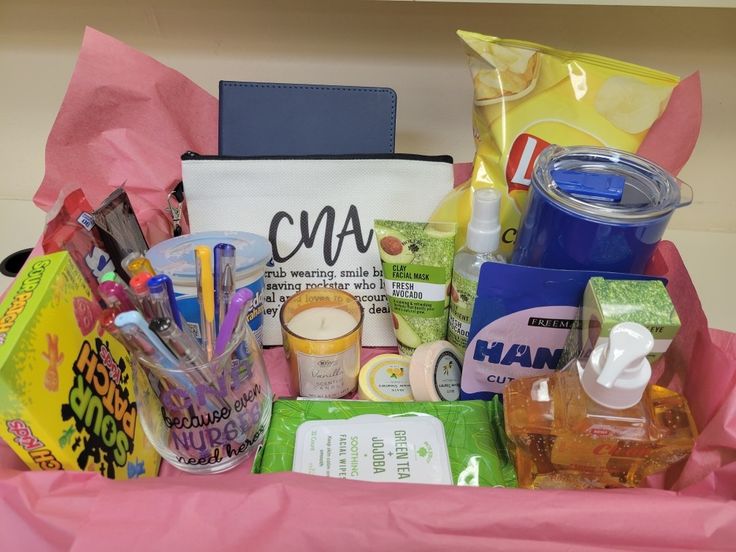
x=417 y=270
x=419 y=442
x=521 y=321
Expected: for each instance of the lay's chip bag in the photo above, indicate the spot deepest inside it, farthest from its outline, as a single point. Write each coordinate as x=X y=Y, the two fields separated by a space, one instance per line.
x=527 y=96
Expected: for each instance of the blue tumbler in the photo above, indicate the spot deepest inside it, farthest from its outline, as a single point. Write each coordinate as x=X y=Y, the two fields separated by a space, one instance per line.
x=596 y=209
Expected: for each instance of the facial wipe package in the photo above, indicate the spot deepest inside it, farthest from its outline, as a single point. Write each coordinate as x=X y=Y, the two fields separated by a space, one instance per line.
x=461 y=443
x=521 y=320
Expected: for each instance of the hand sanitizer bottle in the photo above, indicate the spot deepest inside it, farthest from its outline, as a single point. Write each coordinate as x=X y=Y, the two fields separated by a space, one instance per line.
x=598 y=427
x=481 y=245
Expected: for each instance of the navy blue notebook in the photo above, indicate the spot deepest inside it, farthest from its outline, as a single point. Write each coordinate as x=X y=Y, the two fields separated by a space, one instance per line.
x=260 y=118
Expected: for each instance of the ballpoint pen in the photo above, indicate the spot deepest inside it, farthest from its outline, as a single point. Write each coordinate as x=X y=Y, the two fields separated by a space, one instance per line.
x=110 y=276
x=107 y=322
x=169 y=286
x=140 y=339
x=126 y=261
x=138 y=265
x=232 y=319
x=159 y=298
x=206 y=297
x=224 y=280
x=116 y=295
x=134 y=327
x=139 y=285
x=189 y=352
x=184 y=346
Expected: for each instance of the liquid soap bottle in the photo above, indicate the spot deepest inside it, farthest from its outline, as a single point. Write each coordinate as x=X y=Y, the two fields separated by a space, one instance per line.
x=481 y=245
x=601 y=425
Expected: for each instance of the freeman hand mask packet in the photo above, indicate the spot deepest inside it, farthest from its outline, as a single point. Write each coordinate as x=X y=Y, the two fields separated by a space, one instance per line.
x=521 y=320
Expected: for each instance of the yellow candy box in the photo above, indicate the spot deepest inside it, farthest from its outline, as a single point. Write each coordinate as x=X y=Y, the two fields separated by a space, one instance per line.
x=66 y=385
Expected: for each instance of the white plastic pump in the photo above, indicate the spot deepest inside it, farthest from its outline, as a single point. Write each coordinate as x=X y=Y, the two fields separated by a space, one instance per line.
x=484 y=229
x=618 y=372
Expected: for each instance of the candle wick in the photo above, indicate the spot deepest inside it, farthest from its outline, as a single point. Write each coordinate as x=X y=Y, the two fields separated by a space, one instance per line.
x=322 y=324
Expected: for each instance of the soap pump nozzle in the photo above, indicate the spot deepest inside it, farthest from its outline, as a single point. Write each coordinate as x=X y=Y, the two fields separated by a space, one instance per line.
x=618 y=372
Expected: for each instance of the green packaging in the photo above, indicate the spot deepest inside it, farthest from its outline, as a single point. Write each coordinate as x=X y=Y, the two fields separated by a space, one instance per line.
x=473 y=441
x=417 y=270
x=608 y=302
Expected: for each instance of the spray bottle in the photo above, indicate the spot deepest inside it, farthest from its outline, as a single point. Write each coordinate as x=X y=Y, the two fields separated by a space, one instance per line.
x=481 y=245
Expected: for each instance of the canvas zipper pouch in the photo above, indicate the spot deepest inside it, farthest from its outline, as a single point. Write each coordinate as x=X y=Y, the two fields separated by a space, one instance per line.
x=317 y=212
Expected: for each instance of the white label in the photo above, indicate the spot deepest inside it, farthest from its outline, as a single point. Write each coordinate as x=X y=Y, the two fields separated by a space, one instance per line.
x=390 y=382
x=447 y=376
x=328 y=376
x=404 y=449
x=86 y=220
x=660 y=345
x=421 y=291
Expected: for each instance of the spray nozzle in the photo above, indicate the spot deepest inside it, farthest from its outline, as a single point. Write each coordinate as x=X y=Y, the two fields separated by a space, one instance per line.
x=484 y=229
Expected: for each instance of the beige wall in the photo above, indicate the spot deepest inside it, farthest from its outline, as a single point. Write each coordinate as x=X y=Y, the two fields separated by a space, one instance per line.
x=409 y=46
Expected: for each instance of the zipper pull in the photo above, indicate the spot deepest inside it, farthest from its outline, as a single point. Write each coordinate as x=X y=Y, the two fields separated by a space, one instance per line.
x=174 y=200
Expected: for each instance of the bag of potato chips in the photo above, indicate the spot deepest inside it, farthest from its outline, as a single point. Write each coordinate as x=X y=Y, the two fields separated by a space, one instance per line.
x=528 y=96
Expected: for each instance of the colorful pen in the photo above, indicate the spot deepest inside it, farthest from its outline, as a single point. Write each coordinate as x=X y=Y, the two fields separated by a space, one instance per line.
x=206 y=297
x=166 y=281
x=187 y=350
x=159 y=298
x=132 y=344
x=107 y=322
x=110 y=276
x=139 y=285
x=116 y=295
x=224 y=280
x=133 y=326
x=184 y=346
x=127 y=259
x=140 y=264
x=234 y=313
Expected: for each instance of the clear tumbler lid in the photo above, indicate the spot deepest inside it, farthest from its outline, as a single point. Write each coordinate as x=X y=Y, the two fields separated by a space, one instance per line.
x=608 y=184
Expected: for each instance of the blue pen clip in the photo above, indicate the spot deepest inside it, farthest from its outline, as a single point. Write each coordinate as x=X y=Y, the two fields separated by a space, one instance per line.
x=606 y=187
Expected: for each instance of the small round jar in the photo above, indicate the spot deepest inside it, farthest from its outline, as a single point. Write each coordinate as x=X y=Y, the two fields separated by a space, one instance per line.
x=385 y=378
x=435 y=371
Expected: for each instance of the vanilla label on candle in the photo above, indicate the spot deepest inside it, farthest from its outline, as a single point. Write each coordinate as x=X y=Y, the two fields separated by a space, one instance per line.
x=328 y=376
x=373 y=447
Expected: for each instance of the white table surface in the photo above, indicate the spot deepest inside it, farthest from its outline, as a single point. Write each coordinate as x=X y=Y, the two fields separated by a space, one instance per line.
x=709 y=257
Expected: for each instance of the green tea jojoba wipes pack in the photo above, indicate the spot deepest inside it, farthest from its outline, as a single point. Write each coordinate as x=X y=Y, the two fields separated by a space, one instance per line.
x=461 y=443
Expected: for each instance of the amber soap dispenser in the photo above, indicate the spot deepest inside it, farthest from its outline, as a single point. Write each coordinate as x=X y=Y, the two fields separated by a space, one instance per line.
x=601 y=425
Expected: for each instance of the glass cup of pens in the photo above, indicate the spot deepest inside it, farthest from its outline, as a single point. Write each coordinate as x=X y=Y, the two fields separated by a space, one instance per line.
x=204 y=407
x=203 y=416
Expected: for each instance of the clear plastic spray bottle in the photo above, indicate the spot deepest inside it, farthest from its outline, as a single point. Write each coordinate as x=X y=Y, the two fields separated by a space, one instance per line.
x=481 y=245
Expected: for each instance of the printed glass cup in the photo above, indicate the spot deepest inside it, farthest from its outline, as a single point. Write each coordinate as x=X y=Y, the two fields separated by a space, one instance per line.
x=322 y=328
x=207 y=418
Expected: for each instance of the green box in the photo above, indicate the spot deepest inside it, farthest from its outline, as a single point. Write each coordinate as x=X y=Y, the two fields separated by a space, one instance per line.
x=609 y=302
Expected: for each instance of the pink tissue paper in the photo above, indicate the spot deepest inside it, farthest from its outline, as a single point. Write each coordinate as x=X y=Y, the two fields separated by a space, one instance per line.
x=125 y=120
